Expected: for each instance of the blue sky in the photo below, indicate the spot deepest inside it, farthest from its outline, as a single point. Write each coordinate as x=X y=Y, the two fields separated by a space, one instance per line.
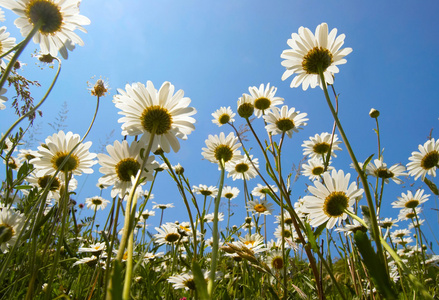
x=215 y=50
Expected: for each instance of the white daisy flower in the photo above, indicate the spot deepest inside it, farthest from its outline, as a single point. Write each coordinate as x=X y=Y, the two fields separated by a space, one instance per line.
x=260 y=206
x=230 y=192
x=52 y=154
x=388 y=223
x=275 y=260
x=222 y=148
x=284 y=120
x=416 y=223
x=310 y=53
x=89 y=261
x=351 y=228
x=205 y=190
x=147 y=110
x=245 y=106
x=168 y=234
x=209 y=217
x=409 y=200
x=425 y=161
x=261 y=191
x=314 y=168
x=94 y=248
x=147 y=213
x=254 y=243
x=2 y=16
x=263 y=99
x=379 y=169
x=330 y=200
x=318 y=145
x=399 y=233
x=409 y=213
x=121 y=164
x=186 y=280
x=289 y=235
x=60 y=18
x=162 y=206
x=223 y=116
x=26 y=155
x=11 y=224
x=6 y=44
x=288 y=220
x=151 y=255
x=96 y=203
x=57 y=184
x=243 y=168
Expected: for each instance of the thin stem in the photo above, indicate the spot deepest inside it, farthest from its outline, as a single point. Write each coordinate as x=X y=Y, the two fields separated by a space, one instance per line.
x=127 y=225
x=215 y=235
x=29 y=113
x=64 y=202
x=23 y=45
x=373 y=217
x=129 y=267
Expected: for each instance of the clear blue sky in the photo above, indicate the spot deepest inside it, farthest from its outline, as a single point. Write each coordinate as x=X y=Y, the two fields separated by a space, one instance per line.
x=215 y=50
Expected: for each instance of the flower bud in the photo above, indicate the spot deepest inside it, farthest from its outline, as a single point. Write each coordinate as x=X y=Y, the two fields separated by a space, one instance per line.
x=374 y=113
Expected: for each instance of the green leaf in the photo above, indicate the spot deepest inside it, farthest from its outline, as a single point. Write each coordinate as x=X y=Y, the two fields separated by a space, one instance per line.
x=375 y=268
x=313 y=236
x=23 y=187
x=432 y=186
x=115 y=292
x=366 y=162
x=200 y=281
x=366 y=215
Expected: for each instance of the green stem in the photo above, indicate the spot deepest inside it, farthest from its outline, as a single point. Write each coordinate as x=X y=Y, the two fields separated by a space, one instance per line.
x=373 y=218
x=29 y=113
x=130 y=203
x=215 y=235
x=129 y=266
x=64 y=202
x=23 y=45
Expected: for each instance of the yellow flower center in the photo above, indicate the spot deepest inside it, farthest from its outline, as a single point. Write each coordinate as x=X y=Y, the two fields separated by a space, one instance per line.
x=156 y=119
x=410 y=215
x=241 y=168
x=287 y=233
x=316 y=58
x=384 y=173
x=260 y=208
x=262 y=103
x=206 y=192
x=335 y=204
x=317 y=170
x=430 y=160
x=99 y=88
x=44 y=181
x=172 y=237
x=6 y=233
x=223 y=152
x=245 y=110
x=96 y=201
x=48 y=12
x=126 y=168
x=190 y=284
x=285 y=124
x=228 y=195
x=71 y=164
x=412 y=203
x=321 y=148
x=224 y=119
x=277 y=263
